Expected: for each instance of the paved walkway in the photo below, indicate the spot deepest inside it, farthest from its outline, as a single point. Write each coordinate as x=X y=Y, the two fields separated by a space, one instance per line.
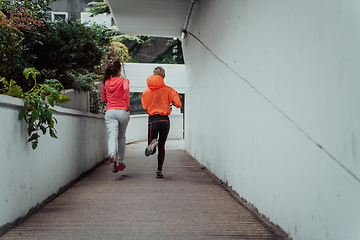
x=187 y=204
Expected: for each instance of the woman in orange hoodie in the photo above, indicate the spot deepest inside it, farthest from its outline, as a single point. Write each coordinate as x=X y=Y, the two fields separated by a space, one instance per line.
x=116 y=95
x=156 y=100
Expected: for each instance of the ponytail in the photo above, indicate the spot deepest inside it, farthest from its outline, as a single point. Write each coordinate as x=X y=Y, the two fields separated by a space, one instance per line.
x=111 y=71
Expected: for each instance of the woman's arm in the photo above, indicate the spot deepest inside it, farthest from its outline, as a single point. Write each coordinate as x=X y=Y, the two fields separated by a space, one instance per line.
x=103 y=95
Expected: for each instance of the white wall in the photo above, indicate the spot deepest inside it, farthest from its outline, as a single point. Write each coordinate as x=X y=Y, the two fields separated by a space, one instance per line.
x=137 y=129
x=137 y=73
x=27 y=176
x=273 y=108
x=79 y=100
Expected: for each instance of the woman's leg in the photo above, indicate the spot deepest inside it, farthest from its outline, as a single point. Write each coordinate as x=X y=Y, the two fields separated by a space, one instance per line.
x=158 y=126
x=153 y=132
x=112 y=126
x=123 y=118
x=164 y=127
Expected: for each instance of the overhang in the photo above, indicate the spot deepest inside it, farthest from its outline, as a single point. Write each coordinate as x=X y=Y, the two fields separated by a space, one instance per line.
x=163 y=18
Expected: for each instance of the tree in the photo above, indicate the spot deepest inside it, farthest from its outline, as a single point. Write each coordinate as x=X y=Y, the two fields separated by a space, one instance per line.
x=69 y=46
x=17 y=18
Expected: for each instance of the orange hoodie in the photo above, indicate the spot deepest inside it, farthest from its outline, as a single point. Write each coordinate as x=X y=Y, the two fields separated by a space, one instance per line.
x=157 y=97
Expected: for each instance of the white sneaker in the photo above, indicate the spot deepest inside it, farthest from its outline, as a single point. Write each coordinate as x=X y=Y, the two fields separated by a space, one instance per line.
x=149 y=149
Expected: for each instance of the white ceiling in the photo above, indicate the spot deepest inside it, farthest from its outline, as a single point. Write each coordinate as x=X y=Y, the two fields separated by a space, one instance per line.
x=164 y=18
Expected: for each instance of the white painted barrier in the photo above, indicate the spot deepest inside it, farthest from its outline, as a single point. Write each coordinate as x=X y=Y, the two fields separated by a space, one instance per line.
x=27 y=176
x=79 y=100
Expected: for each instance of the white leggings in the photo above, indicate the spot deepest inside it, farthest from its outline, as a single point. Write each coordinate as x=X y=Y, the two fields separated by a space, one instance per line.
x=116 y=122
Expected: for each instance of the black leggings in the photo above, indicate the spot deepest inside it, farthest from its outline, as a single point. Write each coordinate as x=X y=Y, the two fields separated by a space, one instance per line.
x=159 y=126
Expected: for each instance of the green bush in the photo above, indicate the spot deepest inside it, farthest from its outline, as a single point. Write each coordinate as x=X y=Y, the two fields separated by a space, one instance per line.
x=69 y=46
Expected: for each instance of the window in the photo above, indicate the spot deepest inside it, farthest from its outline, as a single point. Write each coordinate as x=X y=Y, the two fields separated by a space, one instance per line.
x=59 y=16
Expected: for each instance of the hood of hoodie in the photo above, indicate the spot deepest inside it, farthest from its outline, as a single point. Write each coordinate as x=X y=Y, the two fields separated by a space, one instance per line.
x=155 y=82
x=113 y=84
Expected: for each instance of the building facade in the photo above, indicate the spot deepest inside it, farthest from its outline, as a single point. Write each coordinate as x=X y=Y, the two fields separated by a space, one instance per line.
x=69 y=9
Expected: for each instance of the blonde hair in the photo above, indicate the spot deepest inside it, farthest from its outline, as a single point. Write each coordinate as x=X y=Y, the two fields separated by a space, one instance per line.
x=159 y=71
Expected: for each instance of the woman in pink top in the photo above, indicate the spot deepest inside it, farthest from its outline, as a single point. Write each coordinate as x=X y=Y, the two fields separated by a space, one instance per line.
x=116 y=95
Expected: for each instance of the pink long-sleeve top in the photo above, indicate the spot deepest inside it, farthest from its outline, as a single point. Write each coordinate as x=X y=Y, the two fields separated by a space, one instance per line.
x=116 y=93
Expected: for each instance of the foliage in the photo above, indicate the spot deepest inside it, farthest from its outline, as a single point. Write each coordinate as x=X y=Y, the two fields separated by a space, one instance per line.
x=97 y=106
x=98 y=8
x=69 y=46
x=17 y=20
x=85 y=82
x=119 y=37
x=34 y=9
x=116 y=51
x=21 y=18
x=172 y=55
x=36 y=112
x=13 y=18
x=10 y=47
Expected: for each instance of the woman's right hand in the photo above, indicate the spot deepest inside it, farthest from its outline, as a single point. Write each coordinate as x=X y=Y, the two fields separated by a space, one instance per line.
x=127 y=109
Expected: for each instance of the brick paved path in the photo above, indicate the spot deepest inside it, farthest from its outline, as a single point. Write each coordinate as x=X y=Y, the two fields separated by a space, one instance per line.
x=187 y=204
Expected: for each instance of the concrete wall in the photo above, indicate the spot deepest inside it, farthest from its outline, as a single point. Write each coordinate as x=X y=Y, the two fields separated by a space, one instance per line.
x=28 y=177
x=79 y=100
x=273 y=108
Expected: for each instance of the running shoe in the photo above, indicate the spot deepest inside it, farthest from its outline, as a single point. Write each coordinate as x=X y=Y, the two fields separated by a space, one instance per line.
x=122 y=167
x=150 y=149
x=159 y=174
x=113 y=164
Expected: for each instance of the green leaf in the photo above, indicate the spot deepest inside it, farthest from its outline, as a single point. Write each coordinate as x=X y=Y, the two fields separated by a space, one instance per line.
x=30 y=129
x=42 y=113
x=43 y=129
x=16 y=91
x=51 y=101
x=51 y=125
x=36 y=113
x=52 y=133
x=23 y=112
x=30 y=71
x=48 y=88
x=35 y=136
x=63 y=99
x=56 y=95
x=34 y=144
x=33 y=117
x=26 y=73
